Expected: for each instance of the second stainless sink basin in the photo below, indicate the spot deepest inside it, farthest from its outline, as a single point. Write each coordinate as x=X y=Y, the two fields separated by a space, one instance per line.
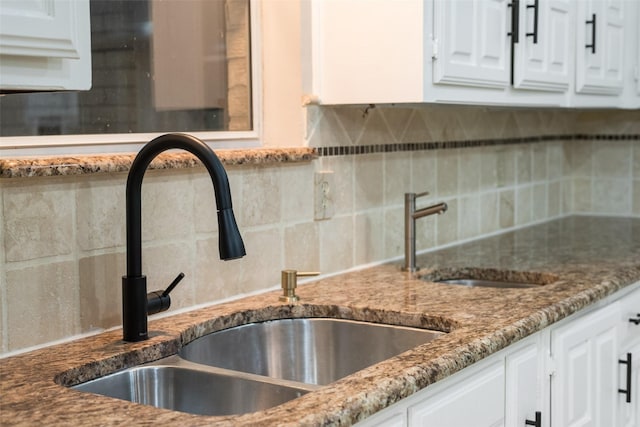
x=173 y=384
x=313 y=351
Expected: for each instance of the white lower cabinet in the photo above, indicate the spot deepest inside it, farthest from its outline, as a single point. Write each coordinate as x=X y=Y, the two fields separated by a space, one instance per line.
x=573 y=373
x=477 y=400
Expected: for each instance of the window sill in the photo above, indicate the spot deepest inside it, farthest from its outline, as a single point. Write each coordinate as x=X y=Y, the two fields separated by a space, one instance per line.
x=27 y=167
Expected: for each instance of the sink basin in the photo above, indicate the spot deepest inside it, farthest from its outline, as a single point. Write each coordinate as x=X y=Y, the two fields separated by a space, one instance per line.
x=490 y=278
x=488 y=283
x=192 y=390
x=313 y=351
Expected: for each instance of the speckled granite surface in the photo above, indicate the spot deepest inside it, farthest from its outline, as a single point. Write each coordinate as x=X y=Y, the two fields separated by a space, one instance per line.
x=53 y=166
x=581 y=260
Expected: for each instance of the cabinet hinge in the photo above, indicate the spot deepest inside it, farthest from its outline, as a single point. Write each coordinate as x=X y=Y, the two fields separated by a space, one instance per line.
x=434 y=49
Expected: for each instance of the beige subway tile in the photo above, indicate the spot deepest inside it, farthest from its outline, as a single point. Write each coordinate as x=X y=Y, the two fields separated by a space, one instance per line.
x=368 y=181
x=581 y=190
x=540 y=198
x=612 y=196
x=369 y=237
x=302 y=247
x=42 y=304
x=216 y=279
x=417 y=129
x=488 y=168
x=101 y=212
x=579 y=158
x=101 y=290
x=636 y=159
x=324 y=129
x=566 y=188
x=375 y=130
x=554 y=199
x=397 y=119
x=297 y=184
x=38 y=219
x=167 y=205
x=506 y=166
x=524 y=205
x=539 y=162
x=3 y=305
x=556 y=161
x=636 y=197
x=348 y=121
x=336 y=244
x=523 y=164
x=447 y=172
x=612 y=159
x=423 y=172
x=261 y=197
x=343 y=172
x=393 y=232
x=397 y=177
x=470 y=170
x=489 y=213
x=469 y=217
x=507 y=200
x=447 y=224
x=262 y=265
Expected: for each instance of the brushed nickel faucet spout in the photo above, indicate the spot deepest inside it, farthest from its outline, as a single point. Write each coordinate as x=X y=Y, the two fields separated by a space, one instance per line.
x=410 y=216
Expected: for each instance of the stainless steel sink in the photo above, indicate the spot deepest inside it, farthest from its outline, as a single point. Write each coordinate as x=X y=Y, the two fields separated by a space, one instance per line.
x=312 y=351
x=488 y=283
x=195 y=390
x=257 y=366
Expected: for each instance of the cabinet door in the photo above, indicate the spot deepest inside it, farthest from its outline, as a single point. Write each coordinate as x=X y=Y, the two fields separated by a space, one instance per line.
x=600 y=47
x=629 y=412
x=584 y=389
x=527 y=386
x=45 y=45
x=478 y=402
x=542 y=57
x=471 y=45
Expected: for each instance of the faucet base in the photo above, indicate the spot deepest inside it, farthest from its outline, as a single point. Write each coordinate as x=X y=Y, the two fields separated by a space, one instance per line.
x=134 y=320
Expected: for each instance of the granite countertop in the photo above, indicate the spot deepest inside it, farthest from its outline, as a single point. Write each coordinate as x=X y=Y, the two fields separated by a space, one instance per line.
x=581 y=260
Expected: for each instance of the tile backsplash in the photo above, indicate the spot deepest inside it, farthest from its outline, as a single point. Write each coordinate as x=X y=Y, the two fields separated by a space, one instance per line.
x=63 y=237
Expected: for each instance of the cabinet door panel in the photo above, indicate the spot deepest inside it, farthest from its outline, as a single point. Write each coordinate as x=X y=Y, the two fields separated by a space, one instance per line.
x=584 y=389
x=478 y=402
x=472 y=43
x=544 y=65
x=630 y=411
x=602 y=71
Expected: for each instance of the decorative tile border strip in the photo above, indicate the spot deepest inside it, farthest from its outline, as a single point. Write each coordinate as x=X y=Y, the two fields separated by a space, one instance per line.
x=443 y=145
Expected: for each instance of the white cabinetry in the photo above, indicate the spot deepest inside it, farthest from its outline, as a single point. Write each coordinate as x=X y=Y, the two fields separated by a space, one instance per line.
x=585 y=387
x=543 y=54
x=45 y=45
x=477 y=400
x=570 y=374
x=504 y=52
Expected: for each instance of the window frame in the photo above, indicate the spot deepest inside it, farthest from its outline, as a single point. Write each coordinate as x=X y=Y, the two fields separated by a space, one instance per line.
x=93 y=144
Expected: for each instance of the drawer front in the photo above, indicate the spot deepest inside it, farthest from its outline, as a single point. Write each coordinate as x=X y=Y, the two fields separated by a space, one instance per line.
x=630 y=315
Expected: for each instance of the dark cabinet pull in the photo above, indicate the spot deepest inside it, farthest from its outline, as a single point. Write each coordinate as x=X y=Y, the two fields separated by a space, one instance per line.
x=537 y=422
x=592 y=21
x=534 y=34
x=515 y=18
x=627 y=391
x=635 y=321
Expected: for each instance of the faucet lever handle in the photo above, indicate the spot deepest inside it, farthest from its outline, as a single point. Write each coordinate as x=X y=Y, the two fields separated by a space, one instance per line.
x=173 y=284
x=424 y=193
x=158 y=301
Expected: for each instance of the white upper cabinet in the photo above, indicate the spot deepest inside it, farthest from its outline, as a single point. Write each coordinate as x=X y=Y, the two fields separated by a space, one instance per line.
x=543 y=53
x=45 y=45
x=600 y=47
x=490 y=52
x=470 y=43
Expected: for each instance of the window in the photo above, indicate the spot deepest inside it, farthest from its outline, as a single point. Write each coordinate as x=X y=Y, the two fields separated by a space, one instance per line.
x=158 y=66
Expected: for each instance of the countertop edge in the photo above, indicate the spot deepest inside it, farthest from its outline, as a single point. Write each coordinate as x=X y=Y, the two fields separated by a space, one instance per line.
x=27 y=167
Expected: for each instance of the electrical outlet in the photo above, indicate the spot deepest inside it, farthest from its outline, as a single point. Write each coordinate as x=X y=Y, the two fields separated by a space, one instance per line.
x=323 y=205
